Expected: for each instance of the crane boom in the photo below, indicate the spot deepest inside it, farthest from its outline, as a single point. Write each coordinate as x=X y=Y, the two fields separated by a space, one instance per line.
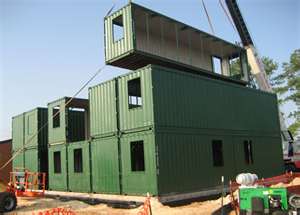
x=254 y=60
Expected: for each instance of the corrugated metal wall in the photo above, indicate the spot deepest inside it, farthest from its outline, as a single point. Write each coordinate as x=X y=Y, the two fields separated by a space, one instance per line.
x=57 y=135
x=105 y=165
x=18 y=140
x=31 y=127
x=58 y=181
x=139 y=117
x=25 y=127
x=114 y=49
x=79 y=181
x=32 y=160
x=103 y=113
x=199 y=102
x=139 y=182
x=187 y=159
x=203 y=110
x=17 y=132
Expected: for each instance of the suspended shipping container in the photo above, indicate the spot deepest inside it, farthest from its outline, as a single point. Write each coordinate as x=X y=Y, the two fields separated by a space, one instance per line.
x=136 y=36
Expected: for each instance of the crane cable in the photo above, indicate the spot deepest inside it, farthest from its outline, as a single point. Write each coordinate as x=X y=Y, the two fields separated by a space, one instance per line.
x=208 y=17
x=228 y=16
x=54 y=115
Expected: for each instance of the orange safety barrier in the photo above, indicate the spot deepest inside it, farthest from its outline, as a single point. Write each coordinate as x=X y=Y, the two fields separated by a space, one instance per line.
x=267 y=182
x=56 y=211
x=146 y=209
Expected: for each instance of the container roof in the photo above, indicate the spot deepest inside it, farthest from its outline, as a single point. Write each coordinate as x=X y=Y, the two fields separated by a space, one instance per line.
x=76 y=102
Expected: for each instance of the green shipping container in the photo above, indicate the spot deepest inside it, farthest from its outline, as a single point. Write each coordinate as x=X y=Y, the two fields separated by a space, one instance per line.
x=105 y=165
x=189 y=124
x=18 y=132
x=18 y=140
x=18 y=161
x=58 y=167
x=36 y=132
x=68 y=121
x=79 y=167
x=139 y=172
x=136 y=36
x=36 y=160
x=103 y=109
x=30 y=133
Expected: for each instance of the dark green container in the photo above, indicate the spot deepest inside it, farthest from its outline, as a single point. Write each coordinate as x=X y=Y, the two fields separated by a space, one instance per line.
x=18 y=132
x=30 y=133
x=103 y=109
x=105 y=165
x=58 y=167
x=144 y=178
x=79 y=167
x=179 y=117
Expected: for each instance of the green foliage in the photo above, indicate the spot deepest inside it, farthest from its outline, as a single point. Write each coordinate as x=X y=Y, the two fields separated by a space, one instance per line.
x=289 y=78
x=286 y=83
x=271 y=68
x=294 y=127
x=235 y=67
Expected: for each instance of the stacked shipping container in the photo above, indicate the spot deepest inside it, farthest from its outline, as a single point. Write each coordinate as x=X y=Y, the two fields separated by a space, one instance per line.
x=171 y=129
x=30 y=137
x=169 y=124
x=68 y=144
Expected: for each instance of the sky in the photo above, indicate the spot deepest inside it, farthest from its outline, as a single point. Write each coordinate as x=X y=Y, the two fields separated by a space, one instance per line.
x=50 y=48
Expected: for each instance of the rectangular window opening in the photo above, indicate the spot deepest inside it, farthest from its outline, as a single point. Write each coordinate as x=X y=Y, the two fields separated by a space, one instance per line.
x=57 y=162
x=217 y=149
x=137 y=156
x=248 y=152
x=235 y=67
x=217 y=65
x=56 y=117
x=118 y=28
x=78 y=160
x=134 y=93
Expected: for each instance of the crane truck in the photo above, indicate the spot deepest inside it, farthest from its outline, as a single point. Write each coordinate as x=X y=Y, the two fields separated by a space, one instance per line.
x=291 y=152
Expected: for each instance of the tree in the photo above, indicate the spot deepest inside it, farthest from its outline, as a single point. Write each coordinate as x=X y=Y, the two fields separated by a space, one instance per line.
x=271 y=68
x=287 y=85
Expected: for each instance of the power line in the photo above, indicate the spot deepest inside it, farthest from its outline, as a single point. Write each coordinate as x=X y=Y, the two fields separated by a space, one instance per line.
x=208 y=18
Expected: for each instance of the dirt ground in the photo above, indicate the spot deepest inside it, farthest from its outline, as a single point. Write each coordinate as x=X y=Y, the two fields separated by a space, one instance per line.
x=32 y=206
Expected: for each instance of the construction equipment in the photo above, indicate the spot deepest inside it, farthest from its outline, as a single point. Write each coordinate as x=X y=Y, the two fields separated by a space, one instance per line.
x=259 y=197
x=8 y=202
x=22 y=183
x=257 y=70
x=27 y=184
